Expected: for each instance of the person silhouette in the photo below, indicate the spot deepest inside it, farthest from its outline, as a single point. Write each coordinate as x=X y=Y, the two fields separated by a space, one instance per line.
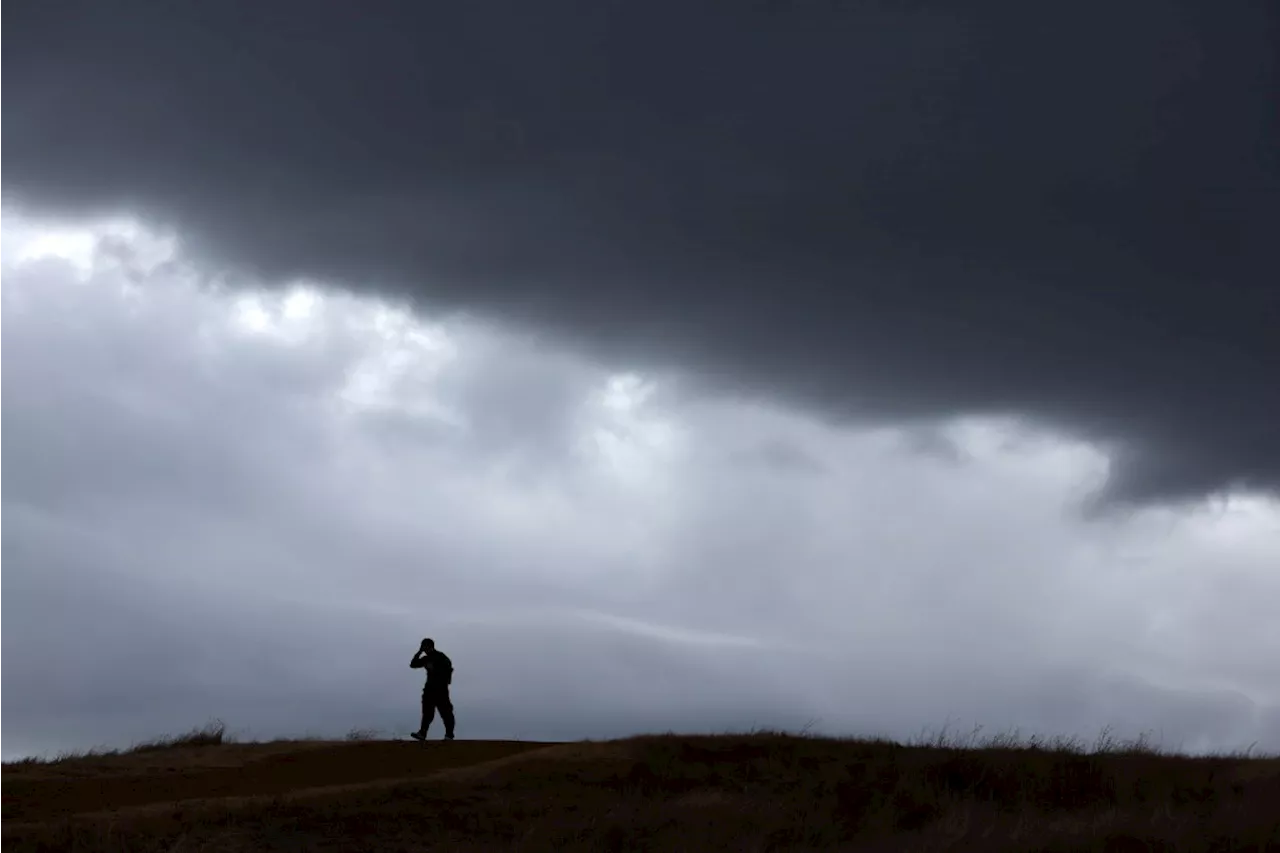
x=435 y=693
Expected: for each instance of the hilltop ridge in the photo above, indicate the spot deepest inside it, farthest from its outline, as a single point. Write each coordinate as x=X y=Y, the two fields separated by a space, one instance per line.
x=760 y=791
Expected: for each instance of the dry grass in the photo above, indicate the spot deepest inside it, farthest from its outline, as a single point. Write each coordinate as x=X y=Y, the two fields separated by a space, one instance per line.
x=212 y=733
x=759 y=791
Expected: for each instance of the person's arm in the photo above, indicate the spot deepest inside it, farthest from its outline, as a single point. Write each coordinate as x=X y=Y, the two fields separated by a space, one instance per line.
x=419 y=661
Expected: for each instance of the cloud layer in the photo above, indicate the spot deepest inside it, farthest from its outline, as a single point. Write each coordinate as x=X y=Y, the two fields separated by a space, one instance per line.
x=254 y=503
x=886 y=213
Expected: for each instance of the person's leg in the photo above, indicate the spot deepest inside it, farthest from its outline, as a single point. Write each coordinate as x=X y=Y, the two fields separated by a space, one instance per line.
x=428 y=711
x=445 y=704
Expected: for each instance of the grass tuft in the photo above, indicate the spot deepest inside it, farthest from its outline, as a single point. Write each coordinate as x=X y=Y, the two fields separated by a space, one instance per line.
x=359 y=734
x=212 y=733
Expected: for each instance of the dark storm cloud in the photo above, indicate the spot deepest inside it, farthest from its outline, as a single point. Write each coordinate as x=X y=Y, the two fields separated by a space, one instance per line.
x=881 y=210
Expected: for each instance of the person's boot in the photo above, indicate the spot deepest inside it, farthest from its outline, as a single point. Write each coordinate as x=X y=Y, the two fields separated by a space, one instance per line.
x=418 y=735
x=448 y=735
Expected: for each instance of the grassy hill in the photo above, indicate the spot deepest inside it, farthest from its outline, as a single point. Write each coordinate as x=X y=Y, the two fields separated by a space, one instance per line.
x=753 y=792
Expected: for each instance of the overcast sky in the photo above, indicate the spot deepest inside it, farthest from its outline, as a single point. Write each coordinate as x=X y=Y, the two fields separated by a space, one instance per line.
x=884 y=366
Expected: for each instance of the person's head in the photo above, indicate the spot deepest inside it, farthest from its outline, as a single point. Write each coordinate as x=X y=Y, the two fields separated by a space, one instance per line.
x=428 y=644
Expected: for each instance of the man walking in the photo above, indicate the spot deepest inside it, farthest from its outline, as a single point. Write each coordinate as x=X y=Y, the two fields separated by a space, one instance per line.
x=435 y=693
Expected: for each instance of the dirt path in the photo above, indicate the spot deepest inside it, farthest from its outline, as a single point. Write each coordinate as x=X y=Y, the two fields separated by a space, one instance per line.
x=50 y=792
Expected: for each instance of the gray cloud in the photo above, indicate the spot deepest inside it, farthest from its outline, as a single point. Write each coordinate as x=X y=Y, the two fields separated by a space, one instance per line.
x=883 y=212
x=201 y=519
x=778 y=455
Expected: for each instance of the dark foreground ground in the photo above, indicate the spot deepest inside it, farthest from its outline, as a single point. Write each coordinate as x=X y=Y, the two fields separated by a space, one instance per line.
x=655 y=793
